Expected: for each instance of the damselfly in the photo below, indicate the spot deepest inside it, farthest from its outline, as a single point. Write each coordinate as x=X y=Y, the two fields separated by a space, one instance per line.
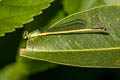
x=74 y=26
x=37 y=32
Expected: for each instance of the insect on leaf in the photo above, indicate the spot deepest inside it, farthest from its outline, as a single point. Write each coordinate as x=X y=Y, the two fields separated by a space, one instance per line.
x=84 y=49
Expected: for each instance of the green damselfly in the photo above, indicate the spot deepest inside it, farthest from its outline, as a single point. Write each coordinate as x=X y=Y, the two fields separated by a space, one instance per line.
x=66 y=28
x=38 y=34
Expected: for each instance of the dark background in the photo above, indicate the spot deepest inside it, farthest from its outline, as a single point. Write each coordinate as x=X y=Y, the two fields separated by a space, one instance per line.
x=77 y=73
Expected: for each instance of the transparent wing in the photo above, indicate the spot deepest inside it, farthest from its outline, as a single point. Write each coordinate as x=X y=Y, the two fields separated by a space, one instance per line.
x=71 y=25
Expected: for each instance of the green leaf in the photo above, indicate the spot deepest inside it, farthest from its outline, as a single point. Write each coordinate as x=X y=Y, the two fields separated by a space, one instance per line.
x=23 y=68
x=14 y=13
x=54 y=13
x=80 y=5
x=112 y=1
x=98 y=3
x=87 y=50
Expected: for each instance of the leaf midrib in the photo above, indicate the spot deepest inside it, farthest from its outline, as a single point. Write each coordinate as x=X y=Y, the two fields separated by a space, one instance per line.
x=75 y=50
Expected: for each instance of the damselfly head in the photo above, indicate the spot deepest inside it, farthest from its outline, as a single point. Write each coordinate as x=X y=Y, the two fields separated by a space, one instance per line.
x=25 y=35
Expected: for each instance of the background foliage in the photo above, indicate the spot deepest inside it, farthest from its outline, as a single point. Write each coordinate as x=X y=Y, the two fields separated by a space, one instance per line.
x=20 y=15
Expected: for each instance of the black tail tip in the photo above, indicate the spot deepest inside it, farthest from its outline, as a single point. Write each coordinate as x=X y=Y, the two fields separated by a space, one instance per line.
x=102 y=28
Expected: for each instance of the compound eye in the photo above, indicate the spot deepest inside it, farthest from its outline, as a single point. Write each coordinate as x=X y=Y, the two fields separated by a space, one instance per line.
x=25 y=35
x=38 y=31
